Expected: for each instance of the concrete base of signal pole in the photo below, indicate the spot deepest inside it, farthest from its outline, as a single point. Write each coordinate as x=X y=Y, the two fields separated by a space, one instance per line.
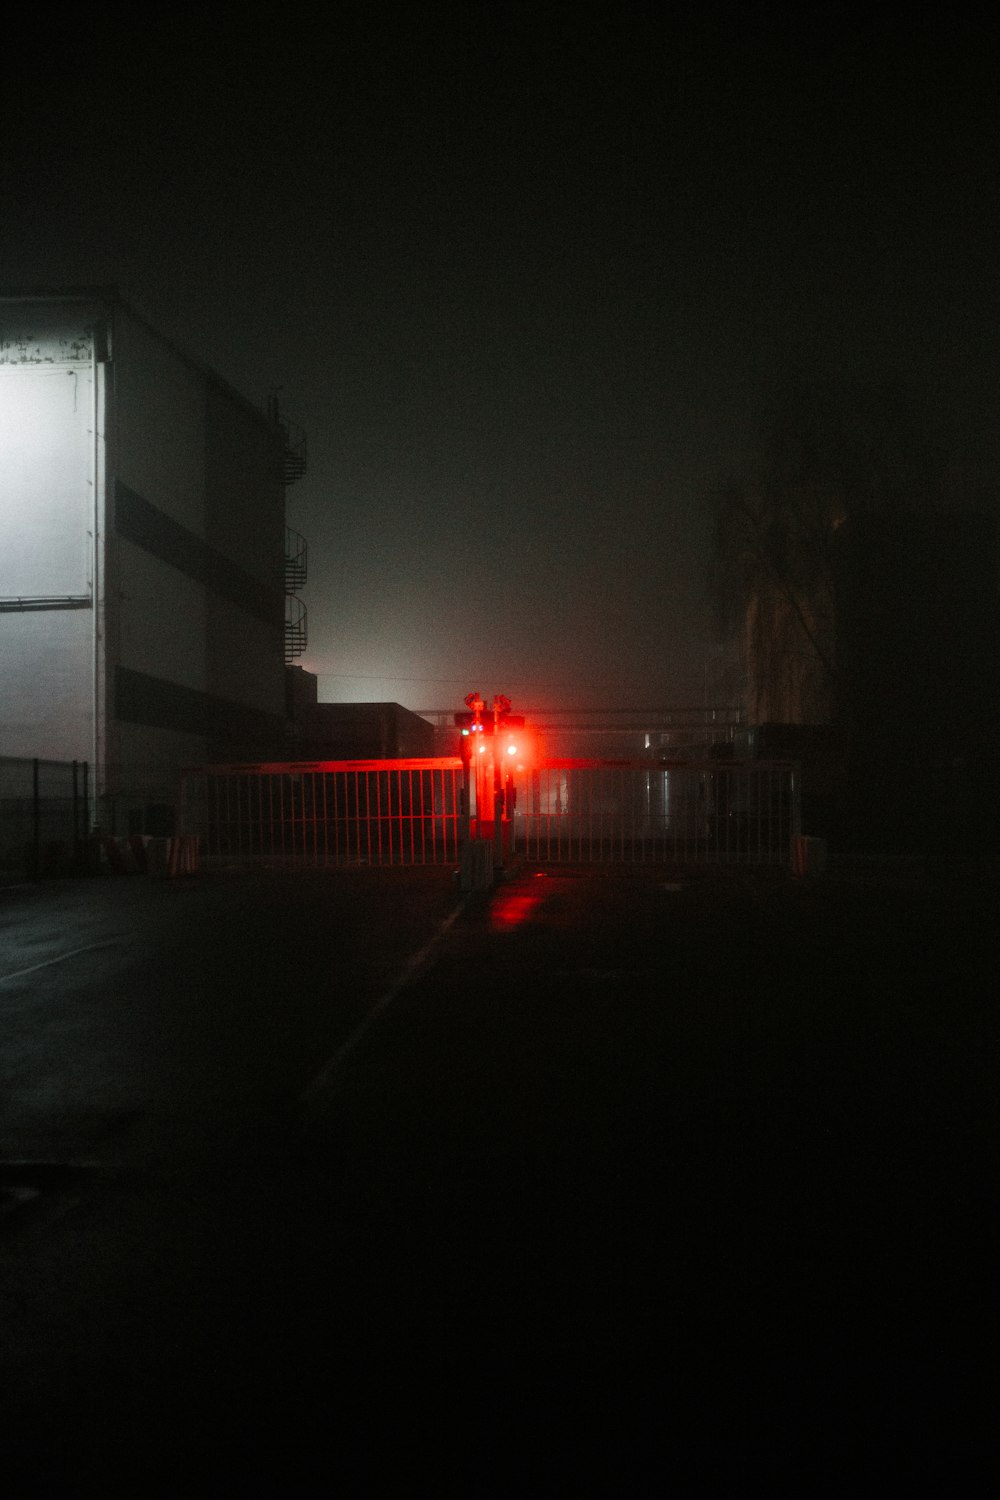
x=476 y=871
x=497 y=831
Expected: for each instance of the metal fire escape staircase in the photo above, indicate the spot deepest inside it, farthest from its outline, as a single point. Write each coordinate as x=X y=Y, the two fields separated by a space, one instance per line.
x=294 y=461
x=296 y=572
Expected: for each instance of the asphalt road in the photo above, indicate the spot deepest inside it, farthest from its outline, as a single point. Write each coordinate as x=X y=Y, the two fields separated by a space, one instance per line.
x=612 y=1183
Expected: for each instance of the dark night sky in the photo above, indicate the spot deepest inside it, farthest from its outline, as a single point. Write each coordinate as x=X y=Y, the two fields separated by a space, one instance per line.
x=527 y=285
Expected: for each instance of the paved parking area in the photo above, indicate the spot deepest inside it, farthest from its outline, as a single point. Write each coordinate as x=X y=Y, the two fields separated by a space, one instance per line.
x=639 y=1181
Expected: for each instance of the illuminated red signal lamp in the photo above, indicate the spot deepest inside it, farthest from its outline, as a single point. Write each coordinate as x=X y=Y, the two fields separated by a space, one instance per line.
x=516 y=742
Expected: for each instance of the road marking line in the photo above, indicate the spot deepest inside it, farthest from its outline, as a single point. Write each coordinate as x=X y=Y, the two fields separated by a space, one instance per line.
x=59 y=958
x=409 y=972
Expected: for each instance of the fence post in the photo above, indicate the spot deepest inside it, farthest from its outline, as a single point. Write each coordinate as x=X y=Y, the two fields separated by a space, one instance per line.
x=76 y=817
x=36 y=827
x=87 y=822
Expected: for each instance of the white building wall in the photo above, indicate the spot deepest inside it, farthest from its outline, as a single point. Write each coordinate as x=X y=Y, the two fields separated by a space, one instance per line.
x=46 y=685
x=163 y=618
x=50 y=499
x=132 y=477
x=159 y=422
x=240 y=642
x=46 y=421
x=196 y=550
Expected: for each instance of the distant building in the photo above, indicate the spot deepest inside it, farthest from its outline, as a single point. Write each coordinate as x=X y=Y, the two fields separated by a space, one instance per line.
x=143 y=569
x=352 y=731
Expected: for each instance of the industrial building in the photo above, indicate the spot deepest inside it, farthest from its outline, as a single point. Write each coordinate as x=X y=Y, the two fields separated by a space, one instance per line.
x=143 y=617
x=353 y=731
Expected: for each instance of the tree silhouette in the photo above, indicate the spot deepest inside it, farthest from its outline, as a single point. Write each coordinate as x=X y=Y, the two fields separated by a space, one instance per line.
x=830 y=453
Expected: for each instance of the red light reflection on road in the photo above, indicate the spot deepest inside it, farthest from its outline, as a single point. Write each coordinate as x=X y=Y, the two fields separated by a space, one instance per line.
x=511 y=908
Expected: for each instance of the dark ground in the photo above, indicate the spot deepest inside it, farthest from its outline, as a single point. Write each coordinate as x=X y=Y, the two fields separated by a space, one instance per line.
x=645 y=1184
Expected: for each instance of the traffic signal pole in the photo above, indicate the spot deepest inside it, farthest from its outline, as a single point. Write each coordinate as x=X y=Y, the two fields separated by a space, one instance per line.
x=500 y=705
x=482 y=750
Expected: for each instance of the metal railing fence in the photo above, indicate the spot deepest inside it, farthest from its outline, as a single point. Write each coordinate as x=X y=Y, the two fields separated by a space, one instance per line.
x=646 y=811
x=325 y=814
x=44 y=814
x=410 y=812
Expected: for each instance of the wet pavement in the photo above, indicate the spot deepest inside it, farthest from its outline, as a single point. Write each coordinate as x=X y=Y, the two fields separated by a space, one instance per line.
x=630 y=1183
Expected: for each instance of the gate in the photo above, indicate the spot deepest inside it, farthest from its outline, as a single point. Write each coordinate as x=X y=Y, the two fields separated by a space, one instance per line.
x=655 y=811
x=314 y=815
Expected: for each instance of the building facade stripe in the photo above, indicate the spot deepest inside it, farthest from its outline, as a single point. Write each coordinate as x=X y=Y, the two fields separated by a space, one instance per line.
x=159 y=704
x=166 y=539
